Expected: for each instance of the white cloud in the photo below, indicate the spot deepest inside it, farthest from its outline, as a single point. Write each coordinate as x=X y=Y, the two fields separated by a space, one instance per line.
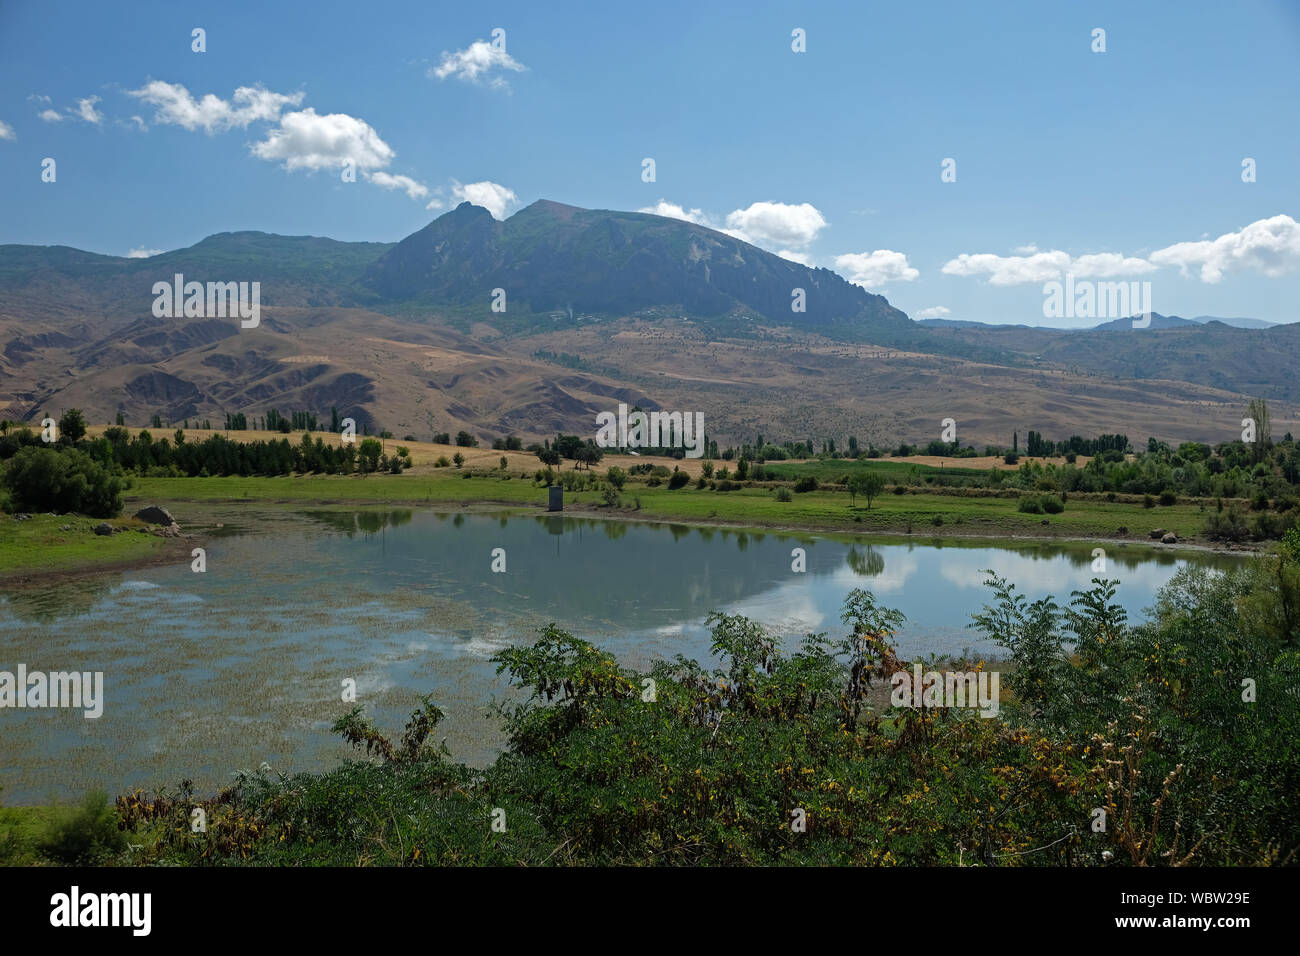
x=435 y=203
x=934 y=312
x=673 y=211
x=144 y=253
x=6 y=131
x=305 y=140
x=1268 y=246
x=493 y=197
x=476 y=63
x=800 y=257
x=1028 y=250
x=86 y=110
x=1109 y=264
x=775 y=223
x=414 y=189
x=176 y=107
x=873 y=269
x=51 y=116
x=1010 y=270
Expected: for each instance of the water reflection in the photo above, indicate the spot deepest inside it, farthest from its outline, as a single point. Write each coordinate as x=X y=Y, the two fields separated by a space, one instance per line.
x=206 y=673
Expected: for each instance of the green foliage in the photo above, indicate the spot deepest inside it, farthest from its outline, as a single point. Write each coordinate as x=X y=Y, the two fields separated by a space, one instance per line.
x=69 y=480
x=81 y=835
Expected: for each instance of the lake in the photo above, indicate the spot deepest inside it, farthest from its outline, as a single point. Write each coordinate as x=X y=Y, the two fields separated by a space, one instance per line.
x=208 y=673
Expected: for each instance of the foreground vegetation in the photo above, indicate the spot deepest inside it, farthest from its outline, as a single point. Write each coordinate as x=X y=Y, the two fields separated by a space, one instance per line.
x=1182 y=734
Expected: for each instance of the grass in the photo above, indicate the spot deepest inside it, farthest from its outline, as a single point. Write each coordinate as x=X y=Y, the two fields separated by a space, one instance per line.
x=41 y=542
x=822 y=510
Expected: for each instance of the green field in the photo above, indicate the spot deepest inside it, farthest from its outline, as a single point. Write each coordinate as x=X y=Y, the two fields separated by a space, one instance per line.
x=822 y=510
x=40 y=543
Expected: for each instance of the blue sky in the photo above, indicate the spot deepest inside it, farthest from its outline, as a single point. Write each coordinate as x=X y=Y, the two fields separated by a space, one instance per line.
x=1125 y=164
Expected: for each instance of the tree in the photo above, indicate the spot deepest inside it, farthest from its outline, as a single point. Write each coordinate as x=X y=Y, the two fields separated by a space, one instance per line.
x=549 y=456
x=869 y=484
x=72 y=426
x=42 y=479
x=466 y=440
x=1258 y=411
x=369 y=453
x=458 y=458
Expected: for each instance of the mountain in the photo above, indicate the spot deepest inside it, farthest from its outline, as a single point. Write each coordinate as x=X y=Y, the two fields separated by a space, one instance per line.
x=1237 y=323
x=1157 y=321
x=601 y=307
x=550 y=257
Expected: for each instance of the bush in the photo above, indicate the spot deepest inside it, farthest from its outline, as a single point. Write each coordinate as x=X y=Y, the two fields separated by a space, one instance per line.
x=806 y=483
x=42 y=479
x=783 y=494
x=1227 y=525
x=725 y=485
x=442 y=462
x=1052 y=504
x=1011 y=458
x=678 y=480
x=1031 y=506
x=83 y=834
x=1168 y=497
x=1148 y=501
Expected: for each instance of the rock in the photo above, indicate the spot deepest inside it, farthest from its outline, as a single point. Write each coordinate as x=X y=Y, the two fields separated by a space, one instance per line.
x=173 y=530
x=155 y=515
x=1044 y=521
x=22 y=517
x=1169 y=538
x=103 y=528
x=1159 y=533
x=66 y=527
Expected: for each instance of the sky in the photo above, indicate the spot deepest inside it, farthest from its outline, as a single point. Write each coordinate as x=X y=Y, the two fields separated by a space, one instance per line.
x=1115 y=164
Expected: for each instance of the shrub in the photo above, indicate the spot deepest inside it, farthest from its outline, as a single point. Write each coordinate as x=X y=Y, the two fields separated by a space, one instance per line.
x=442 y=462
x=783 y=494
x=1030 y=505
x=1011 y=458
x=1227 y=525
x=1052 y=505
x=81 y=835
x=42 y=479
x=729 y=485
x=1148 y=501
x=1168 y=497
x=806 y=483
x=678 y=480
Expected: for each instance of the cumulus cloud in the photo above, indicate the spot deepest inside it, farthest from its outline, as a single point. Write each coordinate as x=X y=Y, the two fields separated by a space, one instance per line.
x=476 y=64
x=673 y=211
x=800 y=257
x=493 y=197
x=86 y=110
x=435 y=203
x=873 y=269
x=144 y=253
x=175 y=106
x=934 y=312
x=776 y=223
x=51 y=116
x=306 y=140
x=414 y=189
x=1268 y=246
x=6 y=131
